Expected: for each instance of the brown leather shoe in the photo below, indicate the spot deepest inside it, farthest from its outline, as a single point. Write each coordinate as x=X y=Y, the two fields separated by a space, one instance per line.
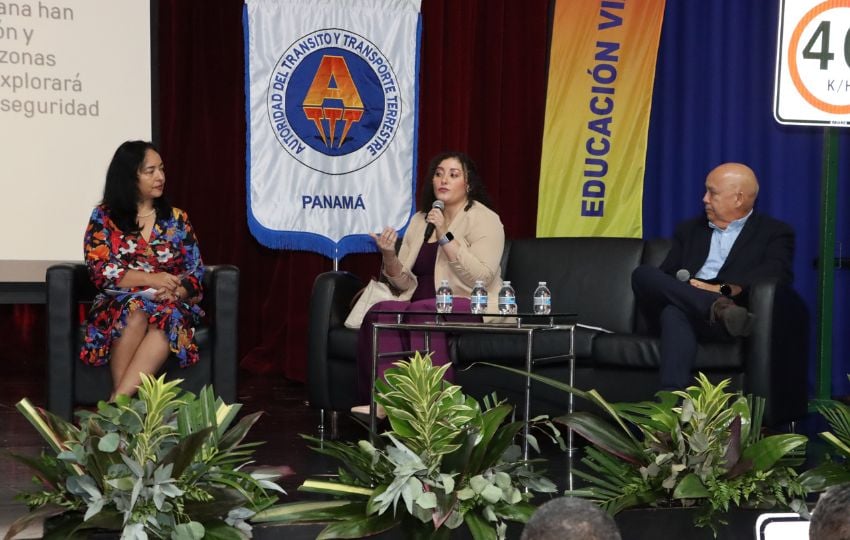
x=737 y=321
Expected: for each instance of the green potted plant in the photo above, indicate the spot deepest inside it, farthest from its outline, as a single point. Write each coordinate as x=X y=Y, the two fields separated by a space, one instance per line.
x=699 y=447
x=836 y=467
x=445 y=462
x=160 y=465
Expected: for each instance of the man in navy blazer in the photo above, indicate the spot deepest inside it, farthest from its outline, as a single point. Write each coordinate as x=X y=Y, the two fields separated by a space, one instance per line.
x=700 y=290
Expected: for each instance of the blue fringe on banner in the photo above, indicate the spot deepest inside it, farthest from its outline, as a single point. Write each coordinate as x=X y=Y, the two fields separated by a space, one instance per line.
x=304 y=241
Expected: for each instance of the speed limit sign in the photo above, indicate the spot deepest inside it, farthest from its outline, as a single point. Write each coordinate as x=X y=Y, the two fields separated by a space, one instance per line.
x=813 y=63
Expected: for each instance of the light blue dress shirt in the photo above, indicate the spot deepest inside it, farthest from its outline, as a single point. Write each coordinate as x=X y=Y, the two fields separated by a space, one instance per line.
x=722 y=241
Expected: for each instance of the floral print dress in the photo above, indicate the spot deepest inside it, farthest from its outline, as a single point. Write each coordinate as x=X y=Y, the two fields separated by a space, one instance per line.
x=109 y=253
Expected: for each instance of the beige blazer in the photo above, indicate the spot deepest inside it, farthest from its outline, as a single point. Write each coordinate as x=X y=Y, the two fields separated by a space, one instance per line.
x=480 y=238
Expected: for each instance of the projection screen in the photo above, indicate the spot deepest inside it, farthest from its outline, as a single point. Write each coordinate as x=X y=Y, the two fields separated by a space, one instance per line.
x=75 y=82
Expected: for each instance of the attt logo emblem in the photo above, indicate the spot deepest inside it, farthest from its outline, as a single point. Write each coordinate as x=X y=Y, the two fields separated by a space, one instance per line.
x=334 y=101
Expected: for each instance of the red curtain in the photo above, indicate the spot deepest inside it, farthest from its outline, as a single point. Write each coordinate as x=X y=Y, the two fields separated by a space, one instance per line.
x=482 y=91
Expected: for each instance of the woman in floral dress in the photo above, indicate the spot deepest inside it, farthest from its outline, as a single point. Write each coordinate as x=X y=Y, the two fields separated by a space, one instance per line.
x=143 y=257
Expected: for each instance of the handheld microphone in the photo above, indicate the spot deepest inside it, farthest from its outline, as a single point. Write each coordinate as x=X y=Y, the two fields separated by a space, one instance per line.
x=683 y=275
x=429 y=229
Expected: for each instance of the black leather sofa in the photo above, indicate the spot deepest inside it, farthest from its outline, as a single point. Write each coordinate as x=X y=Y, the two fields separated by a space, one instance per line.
x=592 y=278
x=70 y=382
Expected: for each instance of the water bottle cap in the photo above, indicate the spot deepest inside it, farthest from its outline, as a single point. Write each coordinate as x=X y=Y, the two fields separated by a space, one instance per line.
x=444 y=282
x=506 y=282
x=479 y=282
x=541 y=283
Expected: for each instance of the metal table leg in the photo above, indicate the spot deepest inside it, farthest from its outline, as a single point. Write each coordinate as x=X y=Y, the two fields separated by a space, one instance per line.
x=373 y=419
x=527 y=428
x=570 y=408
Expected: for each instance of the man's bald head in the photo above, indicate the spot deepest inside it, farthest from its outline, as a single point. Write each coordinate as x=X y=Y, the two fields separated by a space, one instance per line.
x=730 y=193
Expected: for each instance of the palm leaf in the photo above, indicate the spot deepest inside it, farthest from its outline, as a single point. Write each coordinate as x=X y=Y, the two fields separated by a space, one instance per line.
x=767 y=451
x=479 y=527
x=497 y=446
x=355 y=461
x=836 y=443
x=359 y=528
x=219 y=530
x=37 y=515
x=311 y=511
x=602 y=434
x=224 y=500
x=837 y=415
x=823 y=476
x=648 y=416
x=554 y=383
x=38 y=417
x=335 y=488
x=612 y=501
x=50 y=427
x=520 y=512
x=184 y=452
x=235 y=435
x=615 y=475
x=481 y=454
x=48 y=474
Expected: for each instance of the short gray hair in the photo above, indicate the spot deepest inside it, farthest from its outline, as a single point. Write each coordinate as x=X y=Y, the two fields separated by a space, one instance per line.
x=831 y=516
x=570 y=517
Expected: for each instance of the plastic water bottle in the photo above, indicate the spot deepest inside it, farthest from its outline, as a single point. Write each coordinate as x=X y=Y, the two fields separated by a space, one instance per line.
x=507 y=299
x=542 y=299
x=479 y=298
x=444 y=297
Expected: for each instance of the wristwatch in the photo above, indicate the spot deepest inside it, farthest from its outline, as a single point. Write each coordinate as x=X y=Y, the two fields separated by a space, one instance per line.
x=725 y=289
x=445 y=239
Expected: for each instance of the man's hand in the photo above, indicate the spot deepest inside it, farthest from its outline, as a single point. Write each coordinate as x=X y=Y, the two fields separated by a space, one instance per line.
x=704 y=286
x=714 y=287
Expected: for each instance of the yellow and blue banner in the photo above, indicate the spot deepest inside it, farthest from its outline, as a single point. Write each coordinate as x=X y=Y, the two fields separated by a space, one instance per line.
x=331 y=99
x=601 y=72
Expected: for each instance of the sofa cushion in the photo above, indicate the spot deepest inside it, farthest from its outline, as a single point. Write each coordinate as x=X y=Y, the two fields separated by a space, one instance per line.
x=634 y=351
x=510 y=349
x=587 y=276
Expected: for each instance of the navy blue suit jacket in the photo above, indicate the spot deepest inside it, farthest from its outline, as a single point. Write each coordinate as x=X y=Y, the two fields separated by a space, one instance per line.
x=763 y=250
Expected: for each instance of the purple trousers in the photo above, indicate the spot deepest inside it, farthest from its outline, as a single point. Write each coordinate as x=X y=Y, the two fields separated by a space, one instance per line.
x=402 y=340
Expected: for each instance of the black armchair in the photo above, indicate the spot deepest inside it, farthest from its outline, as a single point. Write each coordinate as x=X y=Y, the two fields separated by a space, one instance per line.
x=70 y=382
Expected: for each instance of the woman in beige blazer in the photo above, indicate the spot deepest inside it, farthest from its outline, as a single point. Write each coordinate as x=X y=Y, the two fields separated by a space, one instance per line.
x=466 y=246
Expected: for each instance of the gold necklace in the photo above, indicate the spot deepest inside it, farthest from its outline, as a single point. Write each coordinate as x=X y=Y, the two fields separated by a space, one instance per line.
x=149 y=214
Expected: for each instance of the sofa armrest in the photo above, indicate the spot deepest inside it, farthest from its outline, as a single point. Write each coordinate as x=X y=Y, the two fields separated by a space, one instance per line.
x=221 y=302
x=330 y=304
x=777 y=350
x=62 y=325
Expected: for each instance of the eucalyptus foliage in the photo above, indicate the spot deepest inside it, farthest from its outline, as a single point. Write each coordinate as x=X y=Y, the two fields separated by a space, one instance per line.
x=445 y=462
x=699 y=446
x=161 y=465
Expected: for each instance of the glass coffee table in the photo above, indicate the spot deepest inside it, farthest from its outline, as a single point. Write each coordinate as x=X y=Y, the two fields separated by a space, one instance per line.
x=526 y=324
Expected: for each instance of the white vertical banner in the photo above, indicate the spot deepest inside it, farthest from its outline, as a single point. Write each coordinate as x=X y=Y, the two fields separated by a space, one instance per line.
x=331 y=103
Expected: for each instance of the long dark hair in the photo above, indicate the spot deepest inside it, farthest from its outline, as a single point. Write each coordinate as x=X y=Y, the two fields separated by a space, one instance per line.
x=477 y=191
x=121 y=191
